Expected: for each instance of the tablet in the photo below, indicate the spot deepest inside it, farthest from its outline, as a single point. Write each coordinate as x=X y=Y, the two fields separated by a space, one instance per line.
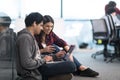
x=72 y=47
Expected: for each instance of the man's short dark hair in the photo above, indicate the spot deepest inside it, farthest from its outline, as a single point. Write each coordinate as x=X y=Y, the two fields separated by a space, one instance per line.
x=33 y=17
x=5 y=21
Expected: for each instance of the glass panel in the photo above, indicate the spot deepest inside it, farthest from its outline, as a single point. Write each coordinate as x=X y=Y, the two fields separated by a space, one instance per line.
x=10 y=7
x=77 y=32
x=85 y=9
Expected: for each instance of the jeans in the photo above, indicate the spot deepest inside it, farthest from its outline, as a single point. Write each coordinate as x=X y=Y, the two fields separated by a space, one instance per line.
x=77 y=63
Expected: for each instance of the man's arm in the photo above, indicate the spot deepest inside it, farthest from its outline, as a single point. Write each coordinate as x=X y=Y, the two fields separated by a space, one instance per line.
x=25 y=53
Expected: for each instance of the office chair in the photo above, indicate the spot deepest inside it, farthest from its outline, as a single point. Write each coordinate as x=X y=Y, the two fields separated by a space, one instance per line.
x=112 y=37
x=114 y=40
x=101 y=35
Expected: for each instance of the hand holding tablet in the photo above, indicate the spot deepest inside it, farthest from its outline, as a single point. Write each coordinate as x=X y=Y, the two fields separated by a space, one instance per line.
x=72 y=47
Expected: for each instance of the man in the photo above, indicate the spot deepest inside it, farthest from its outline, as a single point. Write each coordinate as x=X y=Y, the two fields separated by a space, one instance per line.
x=28 y=57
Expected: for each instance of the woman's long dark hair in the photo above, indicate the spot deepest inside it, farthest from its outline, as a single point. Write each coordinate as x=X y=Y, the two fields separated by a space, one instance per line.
x=39 y=38
x=47 y=18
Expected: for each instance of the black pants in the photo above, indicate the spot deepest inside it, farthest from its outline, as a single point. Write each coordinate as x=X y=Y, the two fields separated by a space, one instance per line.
x=52 y=69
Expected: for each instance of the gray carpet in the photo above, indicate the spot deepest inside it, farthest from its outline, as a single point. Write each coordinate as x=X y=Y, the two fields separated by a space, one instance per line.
x=107 y=71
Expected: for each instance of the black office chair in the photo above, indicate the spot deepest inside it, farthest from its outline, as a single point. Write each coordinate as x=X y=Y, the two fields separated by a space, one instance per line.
x=114 y=39
x=111 y=37
x=101 y=35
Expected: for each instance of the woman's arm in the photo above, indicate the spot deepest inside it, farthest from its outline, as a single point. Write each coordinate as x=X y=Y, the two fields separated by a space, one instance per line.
x=66 y=48
x=58 y=41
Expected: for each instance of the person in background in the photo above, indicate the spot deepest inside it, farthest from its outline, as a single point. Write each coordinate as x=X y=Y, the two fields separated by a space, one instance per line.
x=111 y=4
x=48 y=38
x=113 y=13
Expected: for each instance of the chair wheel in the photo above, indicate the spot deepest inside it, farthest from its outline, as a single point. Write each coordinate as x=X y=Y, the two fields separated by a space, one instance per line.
x=109 y=61
x=105 y=59
x=93 y=56
x=118 y=59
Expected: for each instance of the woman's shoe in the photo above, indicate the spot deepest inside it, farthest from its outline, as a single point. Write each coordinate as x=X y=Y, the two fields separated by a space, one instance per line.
x=89 y=73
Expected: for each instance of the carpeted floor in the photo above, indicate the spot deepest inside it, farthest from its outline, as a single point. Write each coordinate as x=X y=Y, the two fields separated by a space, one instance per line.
x=107 y=71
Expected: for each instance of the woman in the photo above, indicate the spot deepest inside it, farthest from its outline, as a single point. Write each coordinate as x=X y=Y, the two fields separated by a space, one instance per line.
x=111 y=4
x=50 y=38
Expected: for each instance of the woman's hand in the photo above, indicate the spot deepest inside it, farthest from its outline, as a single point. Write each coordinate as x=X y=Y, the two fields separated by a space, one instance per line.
x=67 y=48
x=49 y=49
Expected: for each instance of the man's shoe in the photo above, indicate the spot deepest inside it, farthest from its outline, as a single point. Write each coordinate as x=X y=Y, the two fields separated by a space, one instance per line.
x=89 y=73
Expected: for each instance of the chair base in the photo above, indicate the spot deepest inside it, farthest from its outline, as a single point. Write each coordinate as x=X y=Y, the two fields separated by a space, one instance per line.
x=114 y=56
x=106 y=54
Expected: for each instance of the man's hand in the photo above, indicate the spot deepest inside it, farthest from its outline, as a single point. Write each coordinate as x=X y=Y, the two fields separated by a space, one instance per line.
x=60 y=54
x=48 y=58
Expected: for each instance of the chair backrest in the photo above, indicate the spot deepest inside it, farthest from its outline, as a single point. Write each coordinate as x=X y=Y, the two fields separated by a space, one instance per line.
x=100 y=29
x=112 y=25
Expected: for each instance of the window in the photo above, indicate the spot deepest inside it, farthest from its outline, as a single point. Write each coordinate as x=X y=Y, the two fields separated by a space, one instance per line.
x=10 y=7
x=84 y=9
